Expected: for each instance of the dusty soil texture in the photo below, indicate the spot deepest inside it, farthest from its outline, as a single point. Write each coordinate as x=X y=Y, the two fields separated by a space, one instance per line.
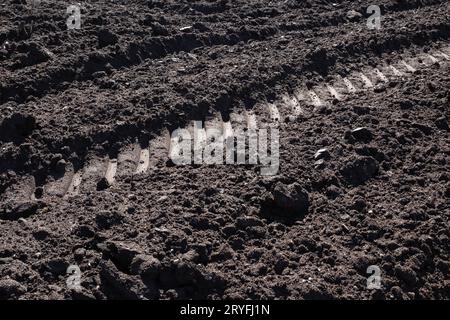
x=87 y=187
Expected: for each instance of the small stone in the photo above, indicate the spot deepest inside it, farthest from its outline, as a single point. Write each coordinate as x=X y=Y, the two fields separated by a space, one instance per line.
x=319 y=164
x=362 y=134
x=292 y=198
x=187 y=29
x=162 y=198
x=322 y=154
x=381 y=87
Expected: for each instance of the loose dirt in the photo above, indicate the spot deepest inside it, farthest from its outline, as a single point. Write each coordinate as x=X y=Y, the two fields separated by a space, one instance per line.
x=85 y=176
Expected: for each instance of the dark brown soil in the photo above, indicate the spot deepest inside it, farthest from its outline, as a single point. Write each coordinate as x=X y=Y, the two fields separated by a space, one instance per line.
x=72 y=101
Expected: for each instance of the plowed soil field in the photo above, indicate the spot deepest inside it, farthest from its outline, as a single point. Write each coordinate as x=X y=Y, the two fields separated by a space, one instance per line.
x=87 y=184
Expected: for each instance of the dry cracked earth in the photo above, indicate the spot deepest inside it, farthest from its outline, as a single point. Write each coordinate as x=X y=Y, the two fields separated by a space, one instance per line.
x=87 y=188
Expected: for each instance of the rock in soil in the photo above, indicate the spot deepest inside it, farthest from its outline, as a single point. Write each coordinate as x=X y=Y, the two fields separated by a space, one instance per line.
x=293 y=198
